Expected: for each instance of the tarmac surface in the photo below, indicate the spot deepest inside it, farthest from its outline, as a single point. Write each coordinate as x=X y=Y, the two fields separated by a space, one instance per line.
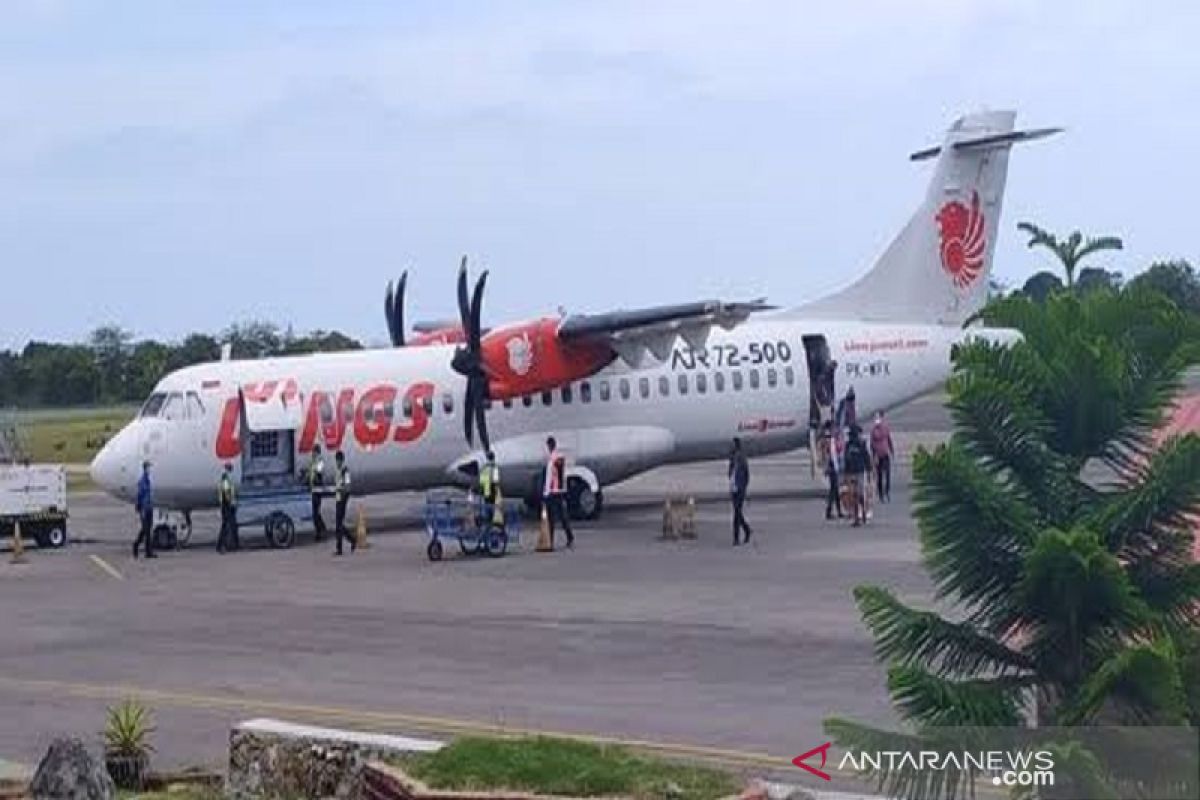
x=697 y=644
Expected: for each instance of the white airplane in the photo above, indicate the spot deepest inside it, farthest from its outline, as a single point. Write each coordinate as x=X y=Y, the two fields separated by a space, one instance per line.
x=622 y=392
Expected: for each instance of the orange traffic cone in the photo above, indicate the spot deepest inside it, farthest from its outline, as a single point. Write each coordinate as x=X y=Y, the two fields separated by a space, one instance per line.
x=18 y=545
x=360 y=532
x=544 y=543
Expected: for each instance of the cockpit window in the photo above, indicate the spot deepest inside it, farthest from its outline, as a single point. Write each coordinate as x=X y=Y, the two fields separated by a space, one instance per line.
x=153 y=405
x=174 y=408
x=195 y=406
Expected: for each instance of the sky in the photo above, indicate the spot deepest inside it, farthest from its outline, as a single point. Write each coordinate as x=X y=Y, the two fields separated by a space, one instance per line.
x=180 y=166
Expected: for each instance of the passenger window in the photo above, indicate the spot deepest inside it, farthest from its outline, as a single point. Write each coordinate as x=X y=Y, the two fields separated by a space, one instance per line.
x=487 y=404
x=664 y=386
x=526 y=400
x=718 y=381
x=644 y=387
x=585 y=392
x=753 y=379
x=195 y=406
x=447 y=403
x=683 y=383
x=605 y=392
x=566 y=393
x=153 y=405
x=789 y=376
x=406 y=407
x=701 y=383
x=173 y=409
x=772 y=377
x=427 y=404
x=547 y=398
x=624 y=386
x=507 y=402
x=737 y=381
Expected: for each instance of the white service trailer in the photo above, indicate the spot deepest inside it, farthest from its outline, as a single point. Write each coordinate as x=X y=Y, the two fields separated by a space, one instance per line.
x=35 y=496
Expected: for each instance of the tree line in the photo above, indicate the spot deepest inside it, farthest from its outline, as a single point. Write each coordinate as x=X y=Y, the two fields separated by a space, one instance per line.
x=114 y=367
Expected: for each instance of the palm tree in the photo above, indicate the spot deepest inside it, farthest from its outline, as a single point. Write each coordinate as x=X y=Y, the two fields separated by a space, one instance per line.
x=1069 y=251
x=1053 y=531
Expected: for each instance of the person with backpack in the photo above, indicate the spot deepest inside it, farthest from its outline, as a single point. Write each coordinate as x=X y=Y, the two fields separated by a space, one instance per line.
x=856 y=462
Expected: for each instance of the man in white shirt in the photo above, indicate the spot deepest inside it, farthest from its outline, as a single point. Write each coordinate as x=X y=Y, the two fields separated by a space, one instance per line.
x=554 y=492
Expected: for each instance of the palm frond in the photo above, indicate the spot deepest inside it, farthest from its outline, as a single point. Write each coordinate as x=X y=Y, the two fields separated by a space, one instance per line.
x=925 y=698
x=974 y=532
x=1142 y=679
x=906 y=636
x=901 y=781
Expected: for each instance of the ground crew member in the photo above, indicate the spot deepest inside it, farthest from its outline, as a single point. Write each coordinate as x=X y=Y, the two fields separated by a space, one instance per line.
x=316 y=486
x=144 y=505
x=739 y=482
x=554 y=490
x=227 y=497
x=489 y=490
x=341 y=493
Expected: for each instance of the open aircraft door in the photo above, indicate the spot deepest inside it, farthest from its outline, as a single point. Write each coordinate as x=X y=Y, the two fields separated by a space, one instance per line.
x=822 y=370
x=269 y=427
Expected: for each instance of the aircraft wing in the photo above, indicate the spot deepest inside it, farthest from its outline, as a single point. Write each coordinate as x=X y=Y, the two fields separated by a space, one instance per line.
x=631 y=333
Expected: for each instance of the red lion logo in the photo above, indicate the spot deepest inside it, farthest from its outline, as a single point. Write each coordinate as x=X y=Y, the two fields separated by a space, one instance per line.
x=963 y=240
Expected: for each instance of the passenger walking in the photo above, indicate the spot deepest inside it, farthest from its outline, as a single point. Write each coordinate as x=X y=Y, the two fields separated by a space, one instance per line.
x=316 y=487
x=341 y=492
x=856 y=462
x=144 y=505
x=833 y=469
x=554 y=492
x=882 y=452
x=227 y=540
x=739 y=482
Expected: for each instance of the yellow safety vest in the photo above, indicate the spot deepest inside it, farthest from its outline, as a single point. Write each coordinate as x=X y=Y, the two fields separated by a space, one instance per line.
x=489 y=475
x=226 y=491
x=342 y=486
x=316 y=473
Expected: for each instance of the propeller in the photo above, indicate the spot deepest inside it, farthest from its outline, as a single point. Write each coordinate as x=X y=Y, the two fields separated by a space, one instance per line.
x=393 y=309
x=468 y=357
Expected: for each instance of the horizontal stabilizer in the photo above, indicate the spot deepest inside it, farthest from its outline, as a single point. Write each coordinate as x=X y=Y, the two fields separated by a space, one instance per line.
x=997 y=140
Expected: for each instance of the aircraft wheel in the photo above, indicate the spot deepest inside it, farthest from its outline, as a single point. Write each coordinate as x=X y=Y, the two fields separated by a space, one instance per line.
x=434 y=550
x=164 y=537
x=56 y=535
x=582 y=502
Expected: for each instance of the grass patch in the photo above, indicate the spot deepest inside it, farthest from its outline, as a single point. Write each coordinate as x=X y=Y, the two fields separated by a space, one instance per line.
x=70 y=436
x=565 y=767
x=175 y=793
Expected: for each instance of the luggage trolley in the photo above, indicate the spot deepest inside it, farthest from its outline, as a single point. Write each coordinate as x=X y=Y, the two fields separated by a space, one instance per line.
x=452 y=514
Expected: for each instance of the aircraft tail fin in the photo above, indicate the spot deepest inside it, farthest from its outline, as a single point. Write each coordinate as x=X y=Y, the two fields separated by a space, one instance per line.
x=937 y=267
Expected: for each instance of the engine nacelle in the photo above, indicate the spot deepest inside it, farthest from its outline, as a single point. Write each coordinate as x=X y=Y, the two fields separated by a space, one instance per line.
x=529 y=358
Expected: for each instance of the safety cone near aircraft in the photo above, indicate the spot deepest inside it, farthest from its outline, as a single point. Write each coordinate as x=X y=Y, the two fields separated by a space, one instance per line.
x=18 y=545
x=622 y=391
x=544 y=545
x=360 y=531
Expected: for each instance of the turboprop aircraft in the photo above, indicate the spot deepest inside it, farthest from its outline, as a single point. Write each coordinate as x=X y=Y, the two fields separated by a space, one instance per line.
x=623 y=392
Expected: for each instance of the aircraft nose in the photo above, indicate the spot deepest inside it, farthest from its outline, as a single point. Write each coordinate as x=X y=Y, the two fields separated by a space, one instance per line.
x=114 y=468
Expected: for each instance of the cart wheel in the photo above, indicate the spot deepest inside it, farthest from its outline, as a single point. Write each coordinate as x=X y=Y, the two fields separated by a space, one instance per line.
x=281 y=531
x=434 y=551
x=496 y=541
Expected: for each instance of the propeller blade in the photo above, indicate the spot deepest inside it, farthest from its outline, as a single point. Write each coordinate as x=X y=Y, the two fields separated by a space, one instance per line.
x=474 y=332
x=469 y=411
x=481 y=423
x=464 y=311
x=388 y=305
x=398 y=310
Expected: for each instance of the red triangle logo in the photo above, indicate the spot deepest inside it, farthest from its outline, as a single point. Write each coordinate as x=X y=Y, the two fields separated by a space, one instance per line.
x=824 y=751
